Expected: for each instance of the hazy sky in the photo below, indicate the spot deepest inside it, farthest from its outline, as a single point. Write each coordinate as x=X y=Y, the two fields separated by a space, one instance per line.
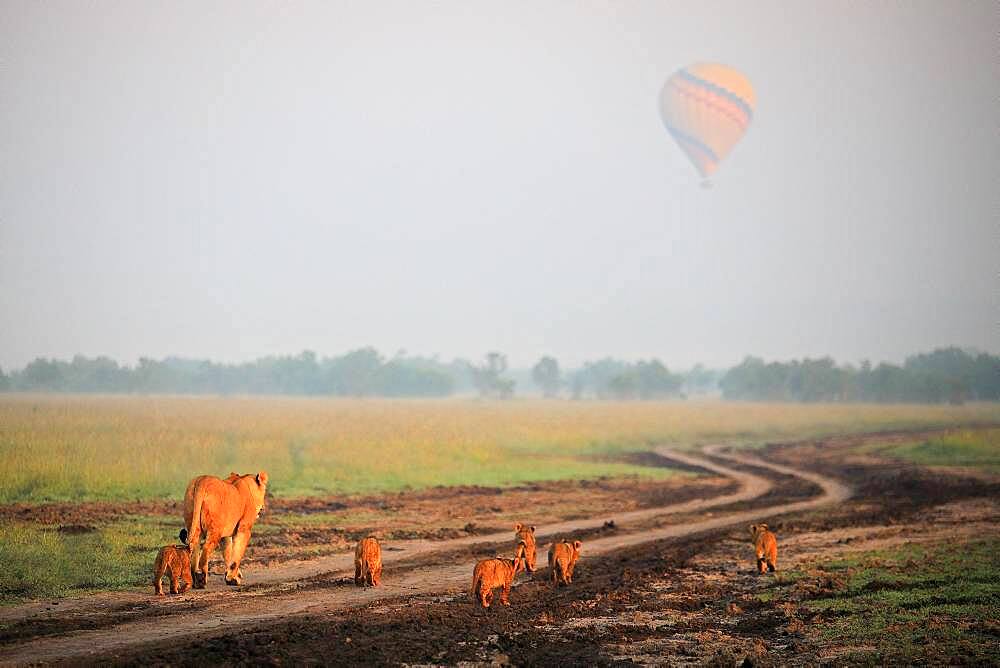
x=231 y=180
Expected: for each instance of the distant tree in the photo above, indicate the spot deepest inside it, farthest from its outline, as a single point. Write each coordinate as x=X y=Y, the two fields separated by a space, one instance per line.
x=353 y=374
x=655 y=381
x=623 y=386
x=4 y=381
x=645 y=380
x=546 y=375
x=488 y=379
x=595 y=378
x=42 y=374
x=402 y=378
x=986 y=379
x=700 y=380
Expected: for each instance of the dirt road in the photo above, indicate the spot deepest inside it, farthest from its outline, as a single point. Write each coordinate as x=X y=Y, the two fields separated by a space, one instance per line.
x=106 y=623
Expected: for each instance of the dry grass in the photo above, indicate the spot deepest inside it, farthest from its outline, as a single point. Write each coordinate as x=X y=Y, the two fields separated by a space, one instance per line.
x=64 y=447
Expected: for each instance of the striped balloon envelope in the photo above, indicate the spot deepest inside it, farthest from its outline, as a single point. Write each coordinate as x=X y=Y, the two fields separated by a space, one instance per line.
x=707 y=108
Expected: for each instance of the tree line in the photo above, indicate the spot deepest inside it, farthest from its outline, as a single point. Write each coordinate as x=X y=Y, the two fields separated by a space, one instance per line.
x=362 y=372
x=944 y=375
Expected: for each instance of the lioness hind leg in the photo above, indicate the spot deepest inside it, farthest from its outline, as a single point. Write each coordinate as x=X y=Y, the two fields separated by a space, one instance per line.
x=194 y=544
x=505 y=594
x=234 y=576
x=358 y=578
x=377 y=576
x=211 y=541
x=227 y=550
x=485 y=597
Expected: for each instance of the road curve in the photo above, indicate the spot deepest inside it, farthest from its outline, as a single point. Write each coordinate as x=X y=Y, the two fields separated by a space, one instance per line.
x=280 y=598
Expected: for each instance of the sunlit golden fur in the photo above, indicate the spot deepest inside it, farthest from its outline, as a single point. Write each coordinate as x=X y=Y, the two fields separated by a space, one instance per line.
x=523 y=532
x=175 y=562
x=497 y=572
x=368 y=562
x=563 y=556
x=224 y=510
x=765 y=547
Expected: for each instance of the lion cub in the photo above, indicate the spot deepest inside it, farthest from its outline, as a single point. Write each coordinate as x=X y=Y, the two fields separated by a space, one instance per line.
x=368 y=562
x=174 y=560
x=497 y=572
x=526 y=533
x=765 y=546
x=563 y=556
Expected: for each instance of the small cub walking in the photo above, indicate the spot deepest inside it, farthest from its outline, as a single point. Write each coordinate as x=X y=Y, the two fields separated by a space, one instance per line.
x=765 y=546
x=526 y=533
x=175 y=561
x=368 y=562
x=563 y=556
x=496 y=572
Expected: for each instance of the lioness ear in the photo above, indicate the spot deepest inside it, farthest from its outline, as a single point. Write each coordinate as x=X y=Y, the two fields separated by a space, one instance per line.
x=753 y=527
x=262 y=478
x=517 y=527
x=763 y=527
x=532 y=529
x=577 y=544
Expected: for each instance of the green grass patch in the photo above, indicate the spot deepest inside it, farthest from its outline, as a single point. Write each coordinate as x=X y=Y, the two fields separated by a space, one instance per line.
x=915 y=604
x=968 y=448
x=45 y=562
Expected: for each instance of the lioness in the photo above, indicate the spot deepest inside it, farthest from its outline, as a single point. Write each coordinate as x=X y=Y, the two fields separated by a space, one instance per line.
x=563 y=556
x=496 y=572
x=525 y=533
x=175 y=561
x=368 y=562
x=765 y=546
x=224 y=510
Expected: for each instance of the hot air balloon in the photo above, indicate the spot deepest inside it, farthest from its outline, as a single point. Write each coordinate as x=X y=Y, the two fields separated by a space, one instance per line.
x=707 y=108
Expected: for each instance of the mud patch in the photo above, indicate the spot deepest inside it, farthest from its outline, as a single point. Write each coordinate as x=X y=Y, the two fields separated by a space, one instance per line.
x=76 y=529
x=427 y=631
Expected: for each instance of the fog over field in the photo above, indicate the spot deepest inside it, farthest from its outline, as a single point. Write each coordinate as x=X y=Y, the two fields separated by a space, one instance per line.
x=229 y=180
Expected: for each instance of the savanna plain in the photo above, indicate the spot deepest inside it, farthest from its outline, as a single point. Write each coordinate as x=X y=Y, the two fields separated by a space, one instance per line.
x=903 y=571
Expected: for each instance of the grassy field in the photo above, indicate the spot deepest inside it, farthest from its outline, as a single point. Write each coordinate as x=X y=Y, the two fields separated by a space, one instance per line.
x=914 y=604
x=42 y=561
x=74 y=448
x=965 y=448
x=85 y=448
